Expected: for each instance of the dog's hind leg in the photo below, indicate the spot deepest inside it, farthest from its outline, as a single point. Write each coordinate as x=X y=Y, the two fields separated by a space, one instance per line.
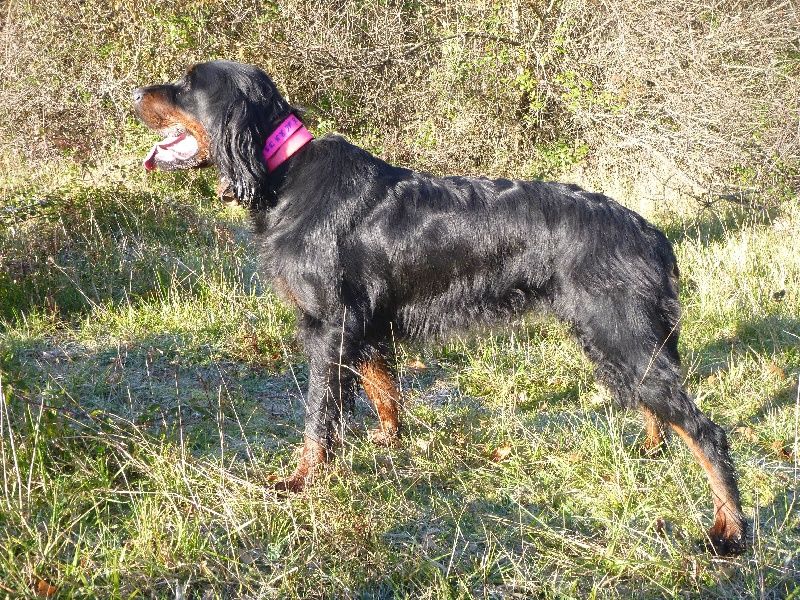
x=662 y=393
x=381 y=388
x=709 y=444
x=613 y=337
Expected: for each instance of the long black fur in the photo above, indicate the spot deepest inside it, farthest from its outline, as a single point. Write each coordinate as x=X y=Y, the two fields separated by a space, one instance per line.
x=371 y=252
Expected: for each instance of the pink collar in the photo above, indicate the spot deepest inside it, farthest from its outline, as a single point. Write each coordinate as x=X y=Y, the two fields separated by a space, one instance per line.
x=288 y=138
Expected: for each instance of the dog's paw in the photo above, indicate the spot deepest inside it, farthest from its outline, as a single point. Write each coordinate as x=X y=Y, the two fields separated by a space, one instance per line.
x=311 y=457
x=732 y=545
x=728 y=536
x=294 y=484
x=649 y=449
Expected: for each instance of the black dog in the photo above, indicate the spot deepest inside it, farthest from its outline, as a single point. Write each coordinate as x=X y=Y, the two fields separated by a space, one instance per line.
x=369 y=252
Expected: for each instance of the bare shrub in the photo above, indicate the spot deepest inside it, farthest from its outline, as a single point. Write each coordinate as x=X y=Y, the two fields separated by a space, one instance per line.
x=712 y=88
x=516 y=88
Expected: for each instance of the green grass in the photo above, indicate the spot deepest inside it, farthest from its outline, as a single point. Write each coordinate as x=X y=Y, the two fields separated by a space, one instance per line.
x=150 y=384
x=150 y=387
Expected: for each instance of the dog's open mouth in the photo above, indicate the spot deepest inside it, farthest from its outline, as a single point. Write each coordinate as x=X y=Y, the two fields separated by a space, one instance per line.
x=178 y=150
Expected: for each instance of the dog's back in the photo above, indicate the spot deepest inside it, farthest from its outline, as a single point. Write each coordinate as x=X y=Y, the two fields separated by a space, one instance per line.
x=369 y=252
x=433 y=256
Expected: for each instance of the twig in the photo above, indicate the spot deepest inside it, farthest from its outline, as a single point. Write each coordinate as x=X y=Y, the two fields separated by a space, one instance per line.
x=796 y=430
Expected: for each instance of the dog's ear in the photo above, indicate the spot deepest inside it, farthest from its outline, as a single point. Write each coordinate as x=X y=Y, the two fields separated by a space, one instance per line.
x=236 y=148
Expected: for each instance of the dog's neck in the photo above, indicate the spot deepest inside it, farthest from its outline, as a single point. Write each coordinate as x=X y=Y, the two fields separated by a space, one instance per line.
x=287 y=138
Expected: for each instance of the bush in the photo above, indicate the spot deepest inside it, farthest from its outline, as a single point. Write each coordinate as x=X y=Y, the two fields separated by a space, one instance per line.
x=709 y=93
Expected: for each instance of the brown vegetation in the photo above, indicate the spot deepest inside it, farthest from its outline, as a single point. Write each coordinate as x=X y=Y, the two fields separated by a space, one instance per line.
x=708 y=92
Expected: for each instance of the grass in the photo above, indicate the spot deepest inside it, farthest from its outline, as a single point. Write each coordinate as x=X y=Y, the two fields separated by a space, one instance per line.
x=150 y=386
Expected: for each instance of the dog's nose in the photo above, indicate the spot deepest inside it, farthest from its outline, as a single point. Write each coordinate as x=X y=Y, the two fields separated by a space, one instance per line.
x=137 y=94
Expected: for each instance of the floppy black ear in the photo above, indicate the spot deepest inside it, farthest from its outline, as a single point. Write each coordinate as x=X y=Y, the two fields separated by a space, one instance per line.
x=236 y=149
x=250 y=107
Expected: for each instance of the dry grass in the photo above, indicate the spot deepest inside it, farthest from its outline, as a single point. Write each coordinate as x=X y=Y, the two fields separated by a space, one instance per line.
x=709 y=89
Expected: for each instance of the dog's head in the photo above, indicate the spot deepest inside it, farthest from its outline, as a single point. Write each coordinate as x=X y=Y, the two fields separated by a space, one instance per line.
x=220 y=113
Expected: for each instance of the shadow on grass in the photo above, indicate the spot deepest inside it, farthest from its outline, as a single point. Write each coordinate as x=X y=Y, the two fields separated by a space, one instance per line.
x=87 y=246
x=166 y=381
x=769 y=335
x=765 y=337
x=182 y=384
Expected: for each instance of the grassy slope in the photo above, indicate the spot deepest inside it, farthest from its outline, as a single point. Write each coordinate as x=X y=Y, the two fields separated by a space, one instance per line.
x=150 y=389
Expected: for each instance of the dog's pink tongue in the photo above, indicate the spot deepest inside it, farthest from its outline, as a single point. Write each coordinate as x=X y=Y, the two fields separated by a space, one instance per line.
x=171 y=150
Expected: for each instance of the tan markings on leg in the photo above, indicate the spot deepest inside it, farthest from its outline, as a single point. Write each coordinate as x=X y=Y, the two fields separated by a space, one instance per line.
x=654 y=430
x=381 y=388
x=727 y=512
x=312 y=456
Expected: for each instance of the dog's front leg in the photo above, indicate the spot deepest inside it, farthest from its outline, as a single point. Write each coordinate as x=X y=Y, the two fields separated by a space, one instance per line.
x=312 y=455
x=331 y=384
